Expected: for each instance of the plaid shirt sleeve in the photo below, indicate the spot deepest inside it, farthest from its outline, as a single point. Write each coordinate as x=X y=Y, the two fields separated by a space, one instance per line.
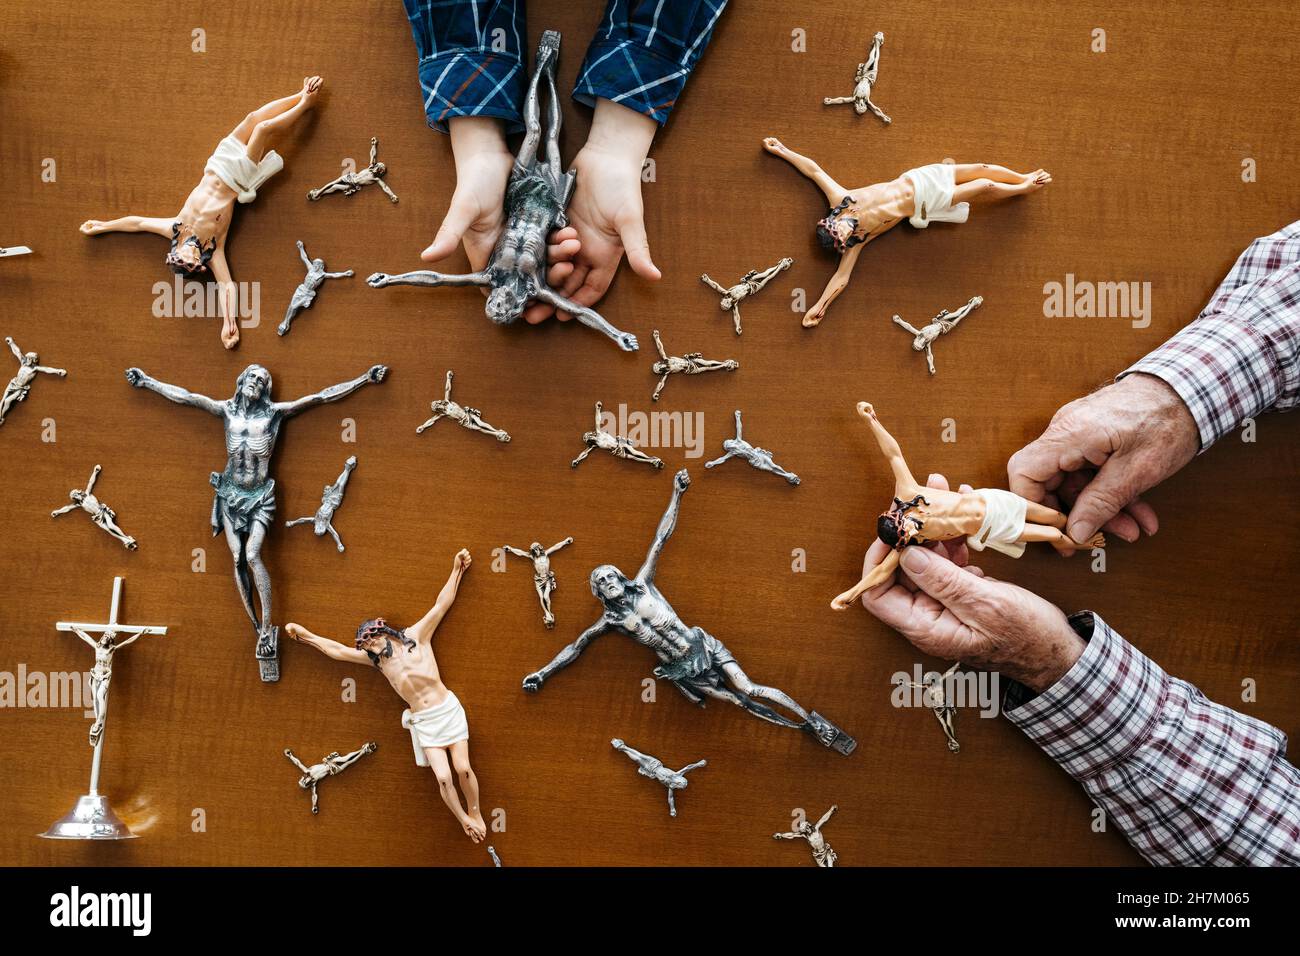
x=1241 y=356
x=644 y=51
x=1189 y=782
x=471 y=61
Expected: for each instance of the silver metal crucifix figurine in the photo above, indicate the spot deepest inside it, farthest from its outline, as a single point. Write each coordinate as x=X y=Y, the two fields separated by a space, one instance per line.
x=462 y=415
x=760 y=458
x=822 y=853
x=536 y=197
x=935 y=694
x=101 y=514
x=864 y=79
x=350 y=183
x=305 y=294
x=692 y=363
x=750 y=283
x=330 y=765
x=543 y=576
x=616 y=445
x=322 y=521
x=18 y=387
x=655 y=769
x=91 y=818
x=941 y=324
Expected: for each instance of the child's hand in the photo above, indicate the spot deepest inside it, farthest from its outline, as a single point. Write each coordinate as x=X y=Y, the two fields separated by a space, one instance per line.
x=475 y=215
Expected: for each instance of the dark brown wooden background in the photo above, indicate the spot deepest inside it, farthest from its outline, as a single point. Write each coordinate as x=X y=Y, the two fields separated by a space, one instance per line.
x=1146 y=142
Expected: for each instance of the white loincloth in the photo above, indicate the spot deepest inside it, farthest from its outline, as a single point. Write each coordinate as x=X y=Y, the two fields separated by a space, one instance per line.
x=438 y=726
x=232 y=165
x=1004 y=522
x=934 y=185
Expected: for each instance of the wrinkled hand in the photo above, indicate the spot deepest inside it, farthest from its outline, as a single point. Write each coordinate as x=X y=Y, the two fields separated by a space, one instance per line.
x=1101 y=452
x=952 y=610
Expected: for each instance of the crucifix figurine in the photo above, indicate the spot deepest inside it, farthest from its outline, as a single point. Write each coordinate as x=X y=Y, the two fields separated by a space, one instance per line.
x=941 y=324
x=750 y=283
x=305 y=294
x=803 y=830
x=692 y=363
x=92 y=818
x=759 y=458
x=100 y=513
x=243 y=505
x=935 y=693
x=985 y=517
x=331 y=765
x=939 y=192
x=864 y=79
x=322 y=521
x=543 y=576
x=536 y=197
x=18 y=387
x=350 y=183
x=616 y=445
x=463 y=416
x=696 y=662
x=655 y=769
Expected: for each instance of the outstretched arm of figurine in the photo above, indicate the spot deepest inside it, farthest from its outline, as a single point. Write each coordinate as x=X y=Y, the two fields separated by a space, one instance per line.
x=302 y=254
x=374 y=150
x=516 y=552
x=873 y=578
x=556 y=547
x=834 y=191
x=87 y=638
x=906 y=326
x=533 y=682
x=13 y=347
x=422 y=630
x=297 y=521
x=825 y=817
x=681 y=481
x=296 y=762
x=227 y=296
x=785 y=836
x=174 y=393
x=331 y=649
x=588 y=317
x=903 y=480
x=339 y=275
x=65 y=509
x=428 y=278
x=94 y=476
x=837 y=284
x=375 y=373
x=155 y=224
x=718 y=461
x=392 y=196
x=721 y=290
x=659 y=345
x=693 y=766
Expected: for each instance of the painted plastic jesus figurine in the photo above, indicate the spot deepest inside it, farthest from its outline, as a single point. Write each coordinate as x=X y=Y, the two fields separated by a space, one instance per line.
x=985 y=517
x=939 y=192
x=435 y=717
x=241 y=163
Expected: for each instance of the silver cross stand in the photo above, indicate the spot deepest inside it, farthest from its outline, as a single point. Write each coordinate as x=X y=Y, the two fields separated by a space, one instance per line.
x=91 y=818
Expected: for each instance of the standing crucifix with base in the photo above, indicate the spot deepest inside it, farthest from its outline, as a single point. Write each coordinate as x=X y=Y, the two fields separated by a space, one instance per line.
x=91 y=818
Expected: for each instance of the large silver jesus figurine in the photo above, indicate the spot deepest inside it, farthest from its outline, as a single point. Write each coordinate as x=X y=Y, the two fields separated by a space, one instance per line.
x=695 y=661
x=536 y=197
x=244 y=504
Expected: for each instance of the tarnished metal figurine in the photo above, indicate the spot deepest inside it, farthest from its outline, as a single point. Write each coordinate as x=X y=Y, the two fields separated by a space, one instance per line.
x=692 y=363
x=536 y=197
x=935 y=693
x=803 y=830
x=696 y=662
x=616 y=445
x=18 y=387
x=244 y=503
x=463 y=416
x=100 y=513
x=864 y=79
x=941 y=324
x=655 y=769
x=350 y=183
x=750 y=283
x=305 y=294
x=760 y=458
x=330 y=765
x=322 y=521
x=543 y=576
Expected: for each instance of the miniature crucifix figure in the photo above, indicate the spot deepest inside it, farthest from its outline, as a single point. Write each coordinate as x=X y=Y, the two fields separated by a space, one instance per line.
x=543 y=576
x=865 y=79
x=330 y=765
x=616 y=445
x=942 y=324
x=760 y=458
x=536 y=197
x=91 y=818
x=696 y=662
x=242 y=162
x=654 y=768
x=985 y=517
x=935 y=691
x=803 y=830
x=692 y=363
x=350 y=183
x=463 y=416
x=305 y=294
x=939 y=192
x=750 y=283
x=323 y=520
x=100 y=513
x=244 y=503
x=435 y=716
x=18 y=387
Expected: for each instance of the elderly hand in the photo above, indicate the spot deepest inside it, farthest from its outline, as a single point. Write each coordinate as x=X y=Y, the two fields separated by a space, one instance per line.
x=1101 y=452
x=952 y=610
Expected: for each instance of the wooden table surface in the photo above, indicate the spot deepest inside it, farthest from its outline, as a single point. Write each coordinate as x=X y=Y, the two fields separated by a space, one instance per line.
x=1146 y=142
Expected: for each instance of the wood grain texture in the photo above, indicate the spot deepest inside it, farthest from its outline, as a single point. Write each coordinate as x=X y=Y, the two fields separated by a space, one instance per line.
x=1145 y=142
